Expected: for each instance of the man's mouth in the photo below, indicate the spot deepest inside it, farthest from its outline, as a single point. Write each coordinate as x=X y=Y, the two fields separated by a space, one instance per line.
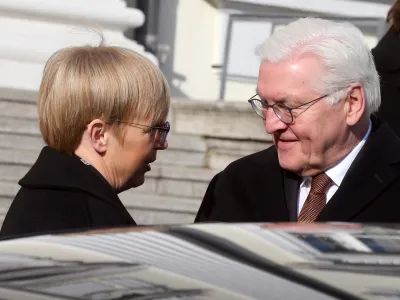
x=284 y=143
x=284 y=140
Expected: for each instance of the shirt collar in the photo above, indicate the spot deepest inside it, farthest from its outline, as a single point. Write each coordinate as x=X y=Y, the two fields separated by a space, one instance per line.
x=339 y=170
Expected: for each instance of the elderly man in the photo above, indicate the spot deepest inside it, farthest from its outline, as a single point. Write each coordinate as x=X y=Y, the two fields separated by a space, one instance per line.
x=332 y=159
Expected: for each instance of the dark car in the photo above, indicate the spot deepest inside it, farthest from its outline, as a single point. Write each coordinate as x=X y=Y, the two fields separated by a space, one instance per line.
x=206 y=261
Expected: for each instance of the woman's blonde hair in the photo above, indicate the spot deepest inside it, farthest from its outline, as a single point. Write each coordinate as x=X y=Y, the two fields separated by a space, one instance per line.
x=81 y=84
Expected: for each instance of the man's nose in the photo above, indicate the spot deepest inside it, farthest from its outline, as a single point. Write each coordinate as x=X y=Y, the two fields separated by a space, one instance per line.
x=272 y=123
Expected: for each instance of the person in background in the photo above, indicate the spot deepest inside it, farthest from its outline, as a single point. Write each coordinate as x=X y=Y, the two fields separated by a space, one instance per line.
x=387 y=60
x=332 y=159
x=102 y=113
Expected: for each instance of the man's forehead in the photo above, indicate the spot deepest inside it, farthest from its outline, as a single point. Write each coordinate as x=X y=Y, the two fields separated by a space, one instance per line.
x=286 y=80
x=294 y=65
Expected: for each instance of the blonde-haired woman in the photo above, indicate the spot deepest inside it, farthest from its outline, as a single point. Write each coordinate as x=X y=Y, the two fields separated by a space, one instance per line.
x=102 y=114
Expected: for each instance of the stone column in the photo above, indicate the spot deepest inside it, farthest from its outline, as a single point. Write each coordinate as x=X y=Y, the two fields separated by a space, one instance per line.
x=32 y=30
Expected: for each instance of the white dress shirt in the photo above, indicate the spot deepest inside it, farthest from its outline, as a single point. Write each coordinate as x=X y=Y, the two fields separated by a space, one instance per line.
x=336 y=173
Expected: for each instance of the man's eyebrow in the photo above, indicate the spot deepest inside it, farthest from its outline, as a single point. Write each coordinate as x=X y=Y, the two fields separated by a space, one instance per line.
x=290 y=99
x=281 y=100
x=294 y=100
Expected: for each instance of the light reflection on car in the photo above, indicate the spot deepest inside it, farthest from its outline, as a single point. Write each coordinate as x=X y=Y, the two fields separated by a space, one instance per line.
x=206 y=261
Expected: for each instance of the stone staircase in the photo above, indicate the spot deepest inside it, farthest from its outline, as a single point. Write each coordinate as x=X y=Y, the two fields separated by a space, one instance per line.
x=173 y=189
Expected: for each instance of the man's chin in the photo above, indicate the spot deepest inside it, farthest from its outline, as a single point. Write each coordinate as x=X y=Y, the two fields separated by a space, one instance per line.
x=289 y=164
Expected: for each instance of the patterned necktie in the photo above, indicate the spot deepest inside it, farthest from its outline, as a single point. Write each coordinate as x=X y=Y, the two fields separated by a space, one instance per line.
x=316 y=199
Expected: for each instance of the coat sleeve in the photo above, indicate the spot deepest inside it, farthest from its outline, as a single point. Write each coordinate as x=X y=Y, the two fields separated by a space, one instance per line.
x=225 y=200
x=206 y=208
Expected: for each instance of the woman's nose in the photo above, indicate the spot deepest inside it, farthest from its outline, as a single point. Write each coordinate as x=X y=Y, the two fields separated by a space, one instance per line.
x=163 y=147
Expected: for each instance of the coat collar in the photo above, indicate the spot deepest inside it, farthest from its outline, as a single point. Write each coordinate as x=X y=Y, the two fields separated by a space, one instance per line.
x=291 y=188
x=56 y=170
x=383 y=53
x=265 y=185
x=375 y=167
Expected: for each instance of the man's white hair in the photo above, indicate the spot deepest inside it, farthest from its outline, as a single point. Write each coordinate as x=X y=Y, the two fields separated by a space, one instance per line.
x=342 y=49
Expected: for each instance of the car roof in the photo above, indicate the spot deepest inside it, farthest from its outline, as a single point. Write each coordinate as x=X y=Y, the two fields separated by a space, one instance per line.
x=209 y=261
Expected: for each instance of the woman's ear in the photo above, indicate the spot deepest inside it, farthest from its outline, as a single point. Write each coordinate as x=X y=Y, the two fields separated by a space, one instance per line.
x=98 y=137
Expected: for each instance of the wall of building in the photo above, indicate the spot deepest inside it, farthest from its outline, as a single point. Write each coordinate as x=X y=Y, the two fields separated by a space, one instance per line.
x=192 y=31
x=196 y=33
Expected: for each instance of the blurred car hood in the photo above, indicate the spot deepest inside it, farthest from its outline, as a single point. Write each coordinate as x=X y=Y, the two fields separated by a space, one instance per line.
x=207 y=261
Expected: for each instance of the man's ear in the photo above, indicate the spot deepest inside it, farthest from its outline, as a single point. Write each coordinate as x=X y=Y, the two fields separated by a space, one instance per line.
x=355 y=105
x=98 y=137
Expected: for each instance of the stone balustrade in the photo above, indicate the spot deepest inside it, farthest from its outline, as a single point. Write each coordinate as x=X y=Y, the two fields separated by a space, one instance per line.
x=205 y=137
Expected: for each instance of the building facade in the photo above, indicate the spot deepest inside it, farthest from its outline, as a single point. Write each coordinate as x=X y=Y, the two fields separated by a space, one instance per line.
x=204 y=48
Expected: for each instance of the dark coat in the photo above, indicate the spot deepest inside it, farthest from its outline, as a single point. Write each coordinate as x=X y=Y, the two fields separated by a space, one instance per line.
x=387 y=60
x=61 y=192
x=256 y=189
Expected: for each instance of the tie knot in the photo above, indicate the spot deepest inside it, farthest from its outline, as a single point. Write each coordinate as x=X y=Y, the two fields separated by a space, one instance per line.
x=320 y=184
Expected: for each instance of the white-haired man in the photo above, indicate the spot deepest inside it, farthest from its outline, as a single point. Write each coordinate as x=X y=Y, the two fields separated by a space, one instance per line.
x=333 y=160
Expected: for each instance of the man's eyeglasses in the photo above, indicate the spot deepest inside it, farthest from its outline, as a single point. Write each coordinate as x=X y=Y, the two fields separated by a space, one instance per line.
x=161 y=130
x=281 y=110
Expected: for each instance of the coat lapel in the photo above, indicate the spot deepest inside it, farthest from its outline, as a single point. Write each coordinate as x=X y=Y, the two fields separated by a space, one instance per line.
x=291 y=184
x=267 y=192
x=375 y=167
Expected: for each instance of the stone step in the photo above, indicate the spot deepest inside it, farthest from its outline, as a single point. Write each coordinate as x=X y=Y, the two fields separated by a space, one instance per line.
x=186 y=142
x=15 y=164
x=152 y=217
x=24 y=134
x=181 y=158
x=18 y=109
x=222 y=152
x=12 y=173
x=8 y=189
x=145 y=209
x=133 y=200
x=29 y=127
x=21 y=141
x=19 y=126
x=183 y=173
x=17 y=156
x=5 y=203
x=181 y=188
x=29 y=155
x=152 y=187
x=21 y=117
x=171 y=187
x=32 y=146
x=184 y=150
x=162 y=180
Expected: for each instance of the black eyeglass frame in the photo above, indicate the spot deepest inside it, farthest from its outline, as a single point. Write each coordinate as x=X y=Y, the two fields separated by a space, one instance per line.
x=163 y=130
x=288 y=108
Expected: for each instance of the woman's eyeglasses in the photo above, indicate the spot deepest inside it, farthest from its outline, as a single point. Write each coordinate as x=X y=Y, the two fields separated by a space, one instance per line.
x=161 y=130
